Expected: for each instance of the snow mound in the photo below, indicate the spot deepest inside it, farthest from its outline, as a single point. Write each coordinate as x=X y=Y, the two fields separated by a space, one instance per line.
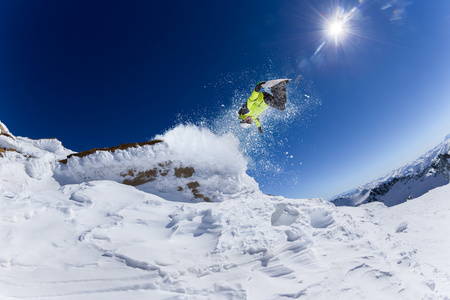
x=25 y=162
x=52 y=148
x=190 y=164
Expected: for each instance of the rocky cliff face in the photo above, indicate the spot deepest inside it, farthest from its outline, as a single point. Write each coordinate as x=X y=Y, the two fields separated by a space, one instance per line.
x=411 y=181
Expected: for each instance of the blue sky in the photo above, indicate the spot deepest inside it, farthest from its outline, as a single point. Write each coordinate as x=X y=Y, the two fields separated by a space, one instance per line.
x=101 y=73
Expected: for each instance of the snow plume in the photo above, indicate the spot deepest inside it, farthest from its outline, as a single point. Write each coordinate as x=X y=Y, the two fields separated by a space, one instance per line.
x=268 y=154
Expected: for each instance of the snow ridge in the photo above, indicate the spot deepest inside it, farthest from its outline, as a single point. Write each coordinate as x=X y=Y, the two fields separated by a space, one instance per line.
x=190 y=164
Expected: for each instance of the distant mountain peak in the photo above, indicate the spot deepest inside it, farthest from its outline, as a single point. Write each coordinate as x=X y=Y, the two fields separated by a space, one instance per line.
x=416 y=178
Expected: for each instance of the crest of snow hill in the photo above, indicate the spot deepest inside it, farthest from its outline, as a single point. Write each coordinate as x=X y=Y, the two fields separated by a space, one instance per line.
x=185 y=164
x=429 y=171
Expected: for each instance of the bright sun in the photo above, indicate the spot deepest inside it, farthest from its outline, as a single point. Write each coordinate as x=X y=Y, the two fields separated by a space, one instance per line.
x=336 y=29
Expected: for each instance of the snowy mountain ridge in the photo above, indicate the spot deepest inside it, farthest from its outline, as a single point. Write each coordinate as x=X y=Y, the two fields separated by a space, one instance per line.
x=75 y=229
x=423 y=161
x=171 y=168
x=429 y=171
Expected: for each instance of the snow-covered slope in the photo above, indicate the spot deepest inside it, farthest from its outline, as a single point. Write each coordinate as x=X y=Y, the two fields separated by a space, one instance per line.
x=429 y=171
x=102 y=239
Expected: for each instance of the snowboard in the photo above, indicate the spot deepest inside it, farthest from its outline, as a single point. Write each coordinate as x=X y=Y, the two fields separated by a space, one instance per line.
x=272 y=83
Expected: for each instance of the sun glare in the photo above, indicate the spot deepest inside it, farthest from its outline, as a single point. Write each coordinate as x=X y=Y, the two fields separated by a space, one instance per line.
x=336 y=29
x=337 y=26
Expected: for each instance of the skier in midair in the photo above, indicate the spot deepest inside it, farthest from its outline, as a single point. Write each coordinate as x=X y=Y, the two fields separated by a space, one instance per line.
x=260 y=101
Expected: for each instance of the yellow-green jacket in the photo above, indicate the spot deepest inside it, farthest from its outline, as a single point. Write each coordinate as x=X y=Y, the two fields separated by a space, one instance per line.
x=256 y=106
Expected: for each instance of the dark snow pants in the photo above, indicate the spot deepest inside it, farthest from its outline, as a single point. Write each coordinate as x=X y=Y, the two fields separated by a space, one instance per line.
x=279 y=98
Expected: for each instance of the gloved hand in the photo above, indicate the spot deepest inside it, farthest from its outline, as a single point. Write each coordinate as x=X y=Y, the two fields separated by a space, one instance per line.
x=258 y=86
x=260 y=130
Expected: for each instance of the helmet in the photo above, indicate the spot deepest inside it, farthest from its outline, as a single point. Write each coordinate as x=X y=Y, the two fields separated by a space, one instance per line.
x=245 y=124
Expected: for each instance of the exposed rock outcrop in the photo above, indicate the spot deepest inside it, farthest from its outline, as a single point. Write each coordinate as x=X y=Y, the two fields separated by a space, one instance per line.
x=140 y=165
x=110 y=149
